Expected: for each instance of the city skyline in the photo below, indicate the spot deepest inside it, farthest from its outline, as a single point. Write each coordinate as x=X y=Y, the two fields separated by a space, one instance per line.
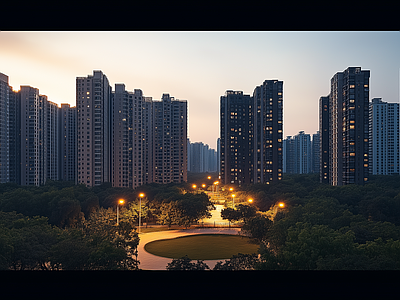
x=201 y=66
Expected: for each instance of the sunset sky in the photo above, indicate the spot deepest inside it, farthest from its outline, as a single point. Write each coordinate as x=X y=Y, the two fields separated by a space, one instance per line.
x=200 y=66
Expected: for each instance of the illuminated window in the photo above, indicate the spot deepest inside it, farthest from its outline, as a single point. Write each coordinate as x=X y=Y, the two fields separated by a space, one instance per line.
x=352 y=154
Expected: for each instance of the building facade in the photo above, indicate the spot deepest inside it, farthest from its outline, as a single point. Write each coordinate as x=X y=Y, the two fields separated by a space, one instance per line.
x=383 y=137
x=268 y=131
x=170 y=140
x=297 y=154
x=348 y=127
x=93 y=100
x=315 y=153
x=67 y=143
x=236 y=134
x=251 y=129
x=324 y=130
x=4 y=129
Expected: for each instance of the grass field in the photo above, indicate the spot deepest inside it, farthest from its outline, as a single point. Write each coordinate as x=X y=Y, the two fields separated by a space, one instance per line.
x=202 y=246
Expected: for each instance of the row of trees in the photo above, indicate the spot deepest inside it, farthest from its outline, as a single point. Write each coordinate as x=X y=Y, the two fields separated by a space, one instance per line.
x=323 y=227
x=96 y=244
x=66 y=226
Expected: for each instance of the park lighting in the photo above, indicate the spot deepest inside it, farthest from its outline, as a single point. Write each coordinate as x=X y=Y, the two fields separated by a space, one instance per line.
x=215 y=186
x=250 y=200
x=120 y=202
x=233 y=201
x=281 y=204
x=194 y=186
x=209 y=177
x=141 y=195
x=203 y=185
x=231 y=189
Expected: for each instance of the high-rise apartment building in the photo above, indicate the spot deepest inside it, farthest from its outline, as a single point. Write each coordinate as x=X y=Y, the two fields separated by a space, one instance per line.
x=4 y=129
x=32 y=158
x=236 y=133
x=315 y=153
x=51 y=137
x=297 y=154
x=289 y=155
x=67 y=143
x=170 y=140
x=201 y=158
x=127 y=138
x=348 y=127
x=324 y=131
x=251 y=129
x=268 y=131
x=383 y=137
x=93 y=100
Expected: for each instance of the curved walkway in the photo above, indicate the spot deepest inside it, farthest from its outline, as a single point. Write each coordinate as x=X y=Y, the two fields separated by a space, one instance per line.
x=152 y=262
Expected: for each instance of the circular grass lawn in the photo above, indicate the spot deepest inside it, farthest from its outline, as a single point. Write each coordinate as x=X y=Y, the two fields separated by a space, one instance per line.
x=202 y=246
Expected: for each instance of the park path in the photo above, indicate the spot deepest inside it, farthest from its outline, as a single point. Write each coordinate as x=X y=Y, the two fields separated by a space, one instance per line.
x=153 y=262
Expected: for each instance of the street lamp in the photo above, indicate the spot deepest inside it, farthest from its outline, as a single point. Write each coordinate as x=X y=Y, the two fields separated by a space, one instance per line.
x=209 y=177
x=233 y=201
x=141 y=195
x=120 y=202
x=250 y=200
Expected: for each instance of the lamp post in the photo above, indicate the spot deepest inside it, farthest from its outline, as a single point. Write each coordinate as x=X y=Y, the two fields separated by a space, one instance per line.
x=250 y=200
x=233 y=201
x=278 y=205
x=120 y=201
x=141 y=195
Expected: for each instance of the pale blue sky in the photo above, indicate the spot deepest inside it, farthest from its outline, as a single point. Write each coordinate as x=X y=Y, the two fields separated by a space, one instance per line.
x=200 y=66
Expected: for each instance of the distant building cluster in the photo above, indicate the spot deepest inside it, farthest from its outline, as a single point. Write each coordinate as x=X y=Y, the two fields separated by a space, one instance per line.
x=201 y=158
x=115 y=136
x=301 y=154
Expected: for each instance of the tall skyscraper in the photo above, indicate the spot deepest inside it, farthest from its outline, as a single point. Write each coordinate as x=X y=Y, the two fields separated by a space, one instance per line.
x=93 y=100
x=67 y=146
x=14 y=127
x=383 y=137
x=170 y=140
x=128 y=138
x=32 y=158
x=236 y=133
x=251 y=135
x=4 y=129
x=297 y=154
x=324 y=131
x=268 y=131
x=51 y=139
x=348 y=127
x=315 y=161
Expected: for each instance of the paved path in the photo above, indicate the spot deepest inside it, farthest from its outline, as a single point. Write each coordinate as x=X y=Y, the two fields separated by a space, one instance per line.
x=152 y=262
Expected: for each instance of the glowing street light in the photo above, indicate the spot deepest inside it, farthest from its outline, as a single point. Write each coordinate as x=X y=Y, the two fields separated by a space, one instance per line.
x=203 y=185
x=281 y=204
x=250 y=200
x=209 y=177
x=120 y=202
x=141 y=195
x=233 y=201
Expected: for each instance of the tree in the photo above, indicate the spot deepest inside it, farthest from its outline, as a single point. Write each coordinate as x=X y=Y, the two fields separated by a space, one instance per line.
x=186 y=264
x=257 y=227
x=238 y=262
x=241 y=213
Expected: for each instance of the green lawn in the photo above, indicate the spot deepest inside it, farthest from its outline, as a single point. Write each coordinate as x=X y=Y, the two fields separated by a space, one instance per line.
x=202 y=246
